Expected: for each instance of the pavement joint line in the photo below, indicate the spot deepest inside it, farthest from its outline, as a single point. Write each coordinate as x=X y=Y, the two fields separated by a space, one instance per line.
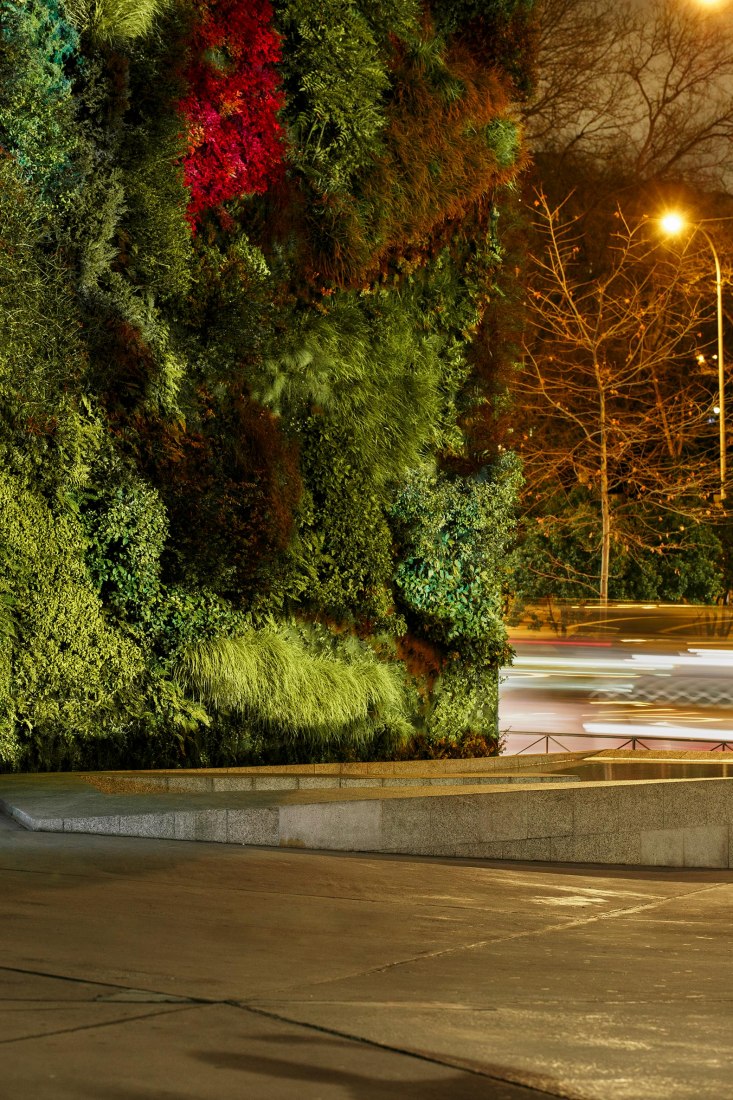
x=466 y=1067
x=167 y=1011
x=522 y=1081
x=444 y=952
x=104 y=985
x=558 y=927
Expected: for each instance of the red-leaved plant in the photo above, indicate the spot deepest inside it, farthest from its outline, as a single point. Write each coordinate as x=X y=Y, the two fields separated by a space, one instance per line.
x=234 y=138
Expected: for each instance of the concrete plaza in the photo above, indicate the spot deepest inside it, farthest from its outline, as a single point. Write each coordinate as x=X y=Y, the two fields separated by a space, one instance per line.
x=136 y=968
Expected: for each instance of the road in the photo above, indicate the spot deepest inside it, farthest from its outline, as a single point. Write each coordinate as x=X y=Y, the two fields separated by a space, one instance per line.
x=588 y=677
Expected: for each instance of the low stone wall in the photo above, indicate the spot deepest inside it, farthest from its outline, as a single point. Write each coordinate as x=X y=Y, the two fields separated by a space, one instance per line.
x=673 y=823
x=446 y=810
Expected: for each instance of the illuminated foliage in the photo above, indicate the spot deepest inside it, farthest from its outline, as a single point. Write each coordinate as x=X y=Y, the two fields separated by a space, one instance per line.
x=448 y=142
x=246 y=248
x=234 y=140
x=37 y=105
x=454 y=535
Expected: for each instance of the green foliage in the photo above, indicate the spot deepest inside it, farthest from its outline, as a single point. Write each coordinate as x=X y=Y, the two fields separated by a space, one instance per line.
x=346 y=532
x=390 y=19
x=443 y=156
x=43 y=439
x=233 y=310
x=454 y=534
x=115 y=22
x=202 y=438
x=188 y=617
x=70 y=670
x=451 y=15
x=39 y=340
x=136 y=363
x=156 y=241
x=231 y=484
x=335 y=83
x=465 y=707
x=37 y=108
x=501 y=32
x=562 y=556
x=9 y=746
x=365 y=362
x=126 y=527
x=159 y=252
x=502 y=136
x=300 y=680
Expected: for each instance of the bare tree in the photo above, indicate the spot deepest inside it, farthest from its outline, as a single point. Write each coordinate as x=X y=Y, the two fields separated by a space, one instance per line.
x=648 y=87
x=617 y=393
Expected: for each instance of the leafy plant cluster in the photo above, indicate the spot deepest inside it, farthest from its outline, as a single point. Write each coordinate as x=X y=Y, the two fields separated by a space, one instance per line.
x=246 y=252
x=657 y=555
x=231 y=103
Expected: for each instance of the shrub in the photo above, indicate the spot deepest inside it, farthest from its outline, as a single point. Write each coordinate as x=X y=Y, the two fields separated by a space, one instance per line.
x=159 y=247
x=447 y=146
x=346 y=531
x=454 y=534
x=652 y=558
x=71 y=671
x=37 y=107
x=231 y=485
x=370 y=368
x=335 y=83
x=126 y=527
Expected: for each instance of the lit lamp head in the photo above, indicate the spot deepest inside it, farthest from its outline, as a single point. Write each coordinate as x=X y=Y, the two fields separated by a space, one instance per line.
x=672 y=223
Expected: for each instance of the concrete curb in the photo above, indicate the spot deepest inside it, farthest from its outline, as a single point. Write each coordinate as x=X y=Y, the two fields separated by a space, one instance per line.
x=484 y=810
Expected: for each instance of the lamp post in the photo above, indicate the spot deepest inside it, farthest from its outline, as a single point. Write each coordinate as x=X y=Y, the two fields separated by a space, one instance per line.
x=673 y=224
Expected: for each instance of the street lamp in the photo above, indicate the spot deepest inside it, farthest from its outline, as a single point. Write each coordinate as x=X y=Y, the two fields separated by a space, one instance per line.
x=673 y=224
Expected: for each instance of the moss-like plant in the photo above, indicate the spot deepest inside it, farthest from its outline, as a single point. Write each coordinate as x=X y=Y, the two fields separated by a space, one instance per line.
x=343 y=522
x=126 y=527
x=37 y=106
x=454 y=535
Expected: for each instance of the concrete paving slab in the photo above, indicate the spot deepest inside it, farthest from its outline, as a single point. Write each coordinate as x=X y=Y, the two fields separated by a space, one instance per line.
x=222 y=1051
x=142 y=968
x=640 y=1009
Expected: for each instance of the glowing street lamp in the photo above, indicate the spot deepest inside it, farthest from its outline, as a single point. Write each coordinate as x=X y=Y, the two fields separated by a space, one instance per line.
x=673 y=223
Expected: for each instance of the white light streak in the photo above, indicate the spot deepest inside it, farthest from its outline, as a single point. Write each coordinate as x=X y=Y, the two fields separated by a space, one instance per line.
x=659 y=730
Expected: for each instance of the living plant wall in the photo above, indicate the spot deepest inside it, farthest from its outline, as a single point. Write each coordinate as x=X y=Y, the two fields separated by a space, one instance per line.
x=252 y=506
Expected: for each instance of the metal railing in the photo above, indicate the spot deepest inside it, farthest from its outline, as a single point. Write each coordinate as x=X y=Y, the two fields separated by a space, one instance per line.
x=634 y=741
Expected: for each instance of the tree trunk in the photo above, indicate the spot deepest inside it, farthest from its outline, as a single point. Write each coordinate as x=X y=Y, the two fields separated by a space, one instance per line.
x=605 y=498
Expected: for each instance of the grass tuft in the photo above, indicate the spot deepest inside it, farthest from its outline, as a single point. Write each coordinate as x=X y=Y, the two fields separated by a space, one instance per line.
x=299 y=679
x=115 y=21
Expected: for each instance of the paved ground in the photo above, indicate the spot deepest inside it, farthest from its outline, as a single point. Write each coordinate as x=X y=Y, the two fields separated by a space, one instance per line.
x=135 y=968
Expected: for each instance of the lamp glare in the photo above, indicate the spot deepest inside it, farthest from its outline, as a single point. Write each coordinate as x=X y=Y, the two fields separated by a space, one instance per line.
x=672 y=223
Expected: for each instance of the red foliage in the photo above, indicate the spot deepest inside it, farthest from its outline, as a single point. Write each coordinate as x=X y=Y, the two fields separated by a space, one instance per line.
x=235 y=140
x=423 y=660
